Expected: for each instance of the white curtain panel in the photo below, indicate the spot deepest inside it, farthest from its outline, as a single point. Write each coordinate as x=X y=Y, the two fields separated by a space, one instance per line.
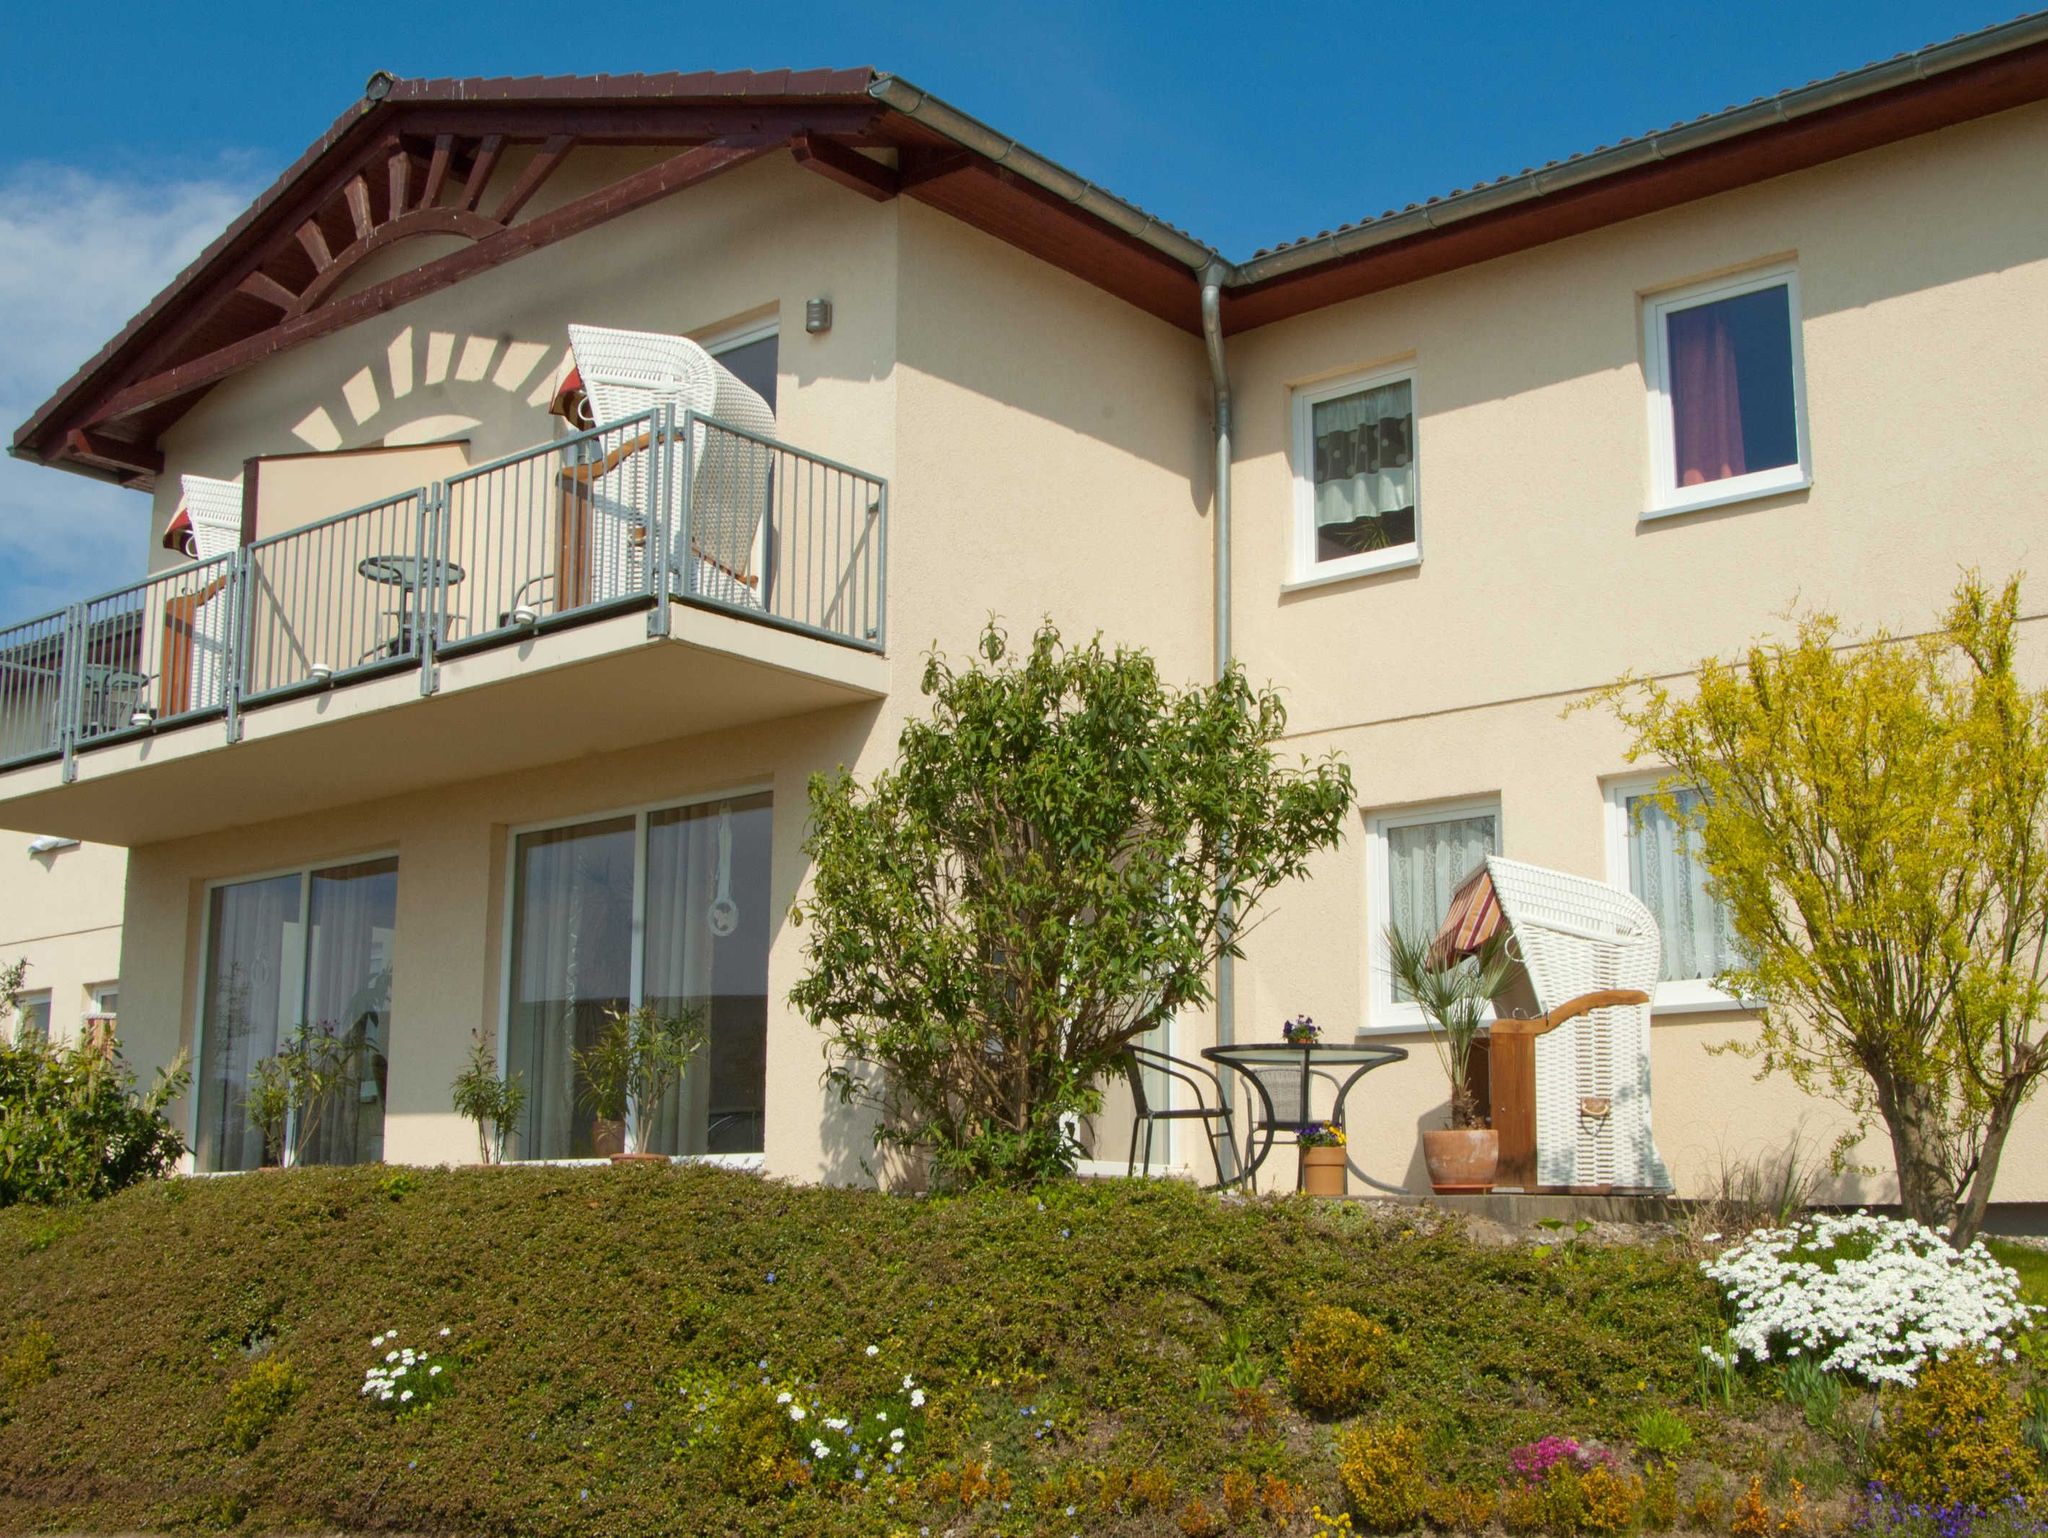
x=572 y=960
x=1364 y=454
x=352 y=914
x=1664 y=871
x=1425 y=863
x=251 y=969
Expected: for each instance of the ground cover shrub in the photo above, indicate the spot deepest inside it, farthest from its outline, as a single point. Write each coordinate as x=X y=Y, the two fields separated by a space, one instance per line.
x=1337 y=1361
x=1056 y=1337
x=258 y=1400
x=1868 y=1297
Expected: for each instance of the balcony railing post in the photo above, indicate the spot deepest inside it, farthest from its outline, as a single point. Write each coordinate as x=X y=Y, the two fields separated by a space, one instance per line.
x=71 y=688
x=430 y=599
x=683 y=538
x=660 y=536
x=235 y=681
x=881 y=634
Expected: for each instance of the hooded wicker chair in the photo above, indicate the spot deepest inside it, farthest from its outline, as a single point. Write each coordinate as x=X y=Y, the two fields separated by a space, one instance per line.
x=626 y=374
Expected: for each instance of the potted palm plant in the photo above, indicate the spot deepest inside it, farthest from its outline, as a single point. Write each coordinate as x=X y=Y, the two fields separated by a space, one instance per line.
x=639 y=1056
x=1454 y=995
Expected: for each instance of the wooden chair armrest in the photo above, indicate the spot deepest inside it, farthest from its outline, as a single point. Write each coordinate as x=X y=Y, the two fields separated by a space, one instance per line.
x=585 y=474
x=1571 y=1009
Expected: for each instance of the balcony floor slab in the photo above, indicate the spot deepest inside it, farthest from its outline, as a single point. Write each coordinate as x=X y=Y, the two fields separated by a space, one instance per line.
x=592 y=688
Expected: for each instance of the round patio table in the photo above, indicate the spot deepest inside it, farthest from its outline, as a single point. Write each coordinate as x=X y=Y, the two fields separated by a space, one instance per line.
x=1271 y=1068
x=412 y=575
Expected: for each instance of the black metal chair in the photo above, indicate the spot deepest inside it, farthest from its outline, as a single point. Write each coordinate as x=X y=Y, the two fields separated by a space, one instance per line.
x=1211 y=1108
x=1279 y=1107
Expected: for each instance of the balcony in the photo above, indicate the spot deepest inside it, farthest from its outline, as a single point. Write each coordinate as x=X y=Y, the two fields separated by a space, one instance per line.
x=657 y=577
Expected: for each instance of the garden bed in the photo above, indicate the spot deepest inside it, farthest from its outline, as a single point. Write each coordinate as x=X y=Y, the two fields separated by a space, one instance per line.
x=627 y=1352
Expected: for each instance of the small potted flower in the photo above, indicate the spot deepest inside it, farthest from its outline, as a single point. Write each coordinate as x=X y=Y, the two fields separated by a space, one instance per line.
x=1301 y=1031
x=1322 y=1159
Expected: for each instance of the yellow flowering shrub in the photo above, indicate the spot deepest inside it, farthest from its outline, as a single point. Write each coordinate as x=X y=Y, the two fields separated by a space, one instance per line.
x=1956 y=1438
x=1338 y=1360
x=1381 y=1469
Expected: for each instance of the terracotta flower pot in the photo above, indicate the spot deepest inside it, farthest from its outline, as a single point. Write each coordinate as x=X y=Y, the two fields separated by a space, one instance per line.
x=1322 y=1171
x=1461 y=1161
x=633 y=1158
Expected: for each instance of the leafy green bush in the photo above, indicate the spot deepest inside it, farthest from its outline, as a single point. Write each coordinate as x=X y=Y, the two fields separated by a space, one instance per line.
x=1956 y=1439
x=72 y=1126
x=490 y=1099
x=1337 y=1361
x=1035 y=882
x=258 y=1400
x=1661 y=1435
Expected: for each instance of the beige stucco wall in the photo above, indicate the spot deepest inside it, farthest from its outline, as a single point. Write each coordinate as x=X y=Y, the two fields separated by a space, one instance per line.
x=1923 y=273
x=60 y=912
x=1048 y=450
x=1045 y=446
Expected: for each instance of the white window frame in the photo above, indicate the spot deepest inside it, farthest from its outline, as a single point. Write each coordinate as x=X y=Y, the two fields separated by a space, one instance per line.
x=637 y=962
x=1305 y=569
x=1686 y=995
x=304 y=872
x=1666 y=496
x=1385 y=1015
x=23 y=1003
x=96 y=998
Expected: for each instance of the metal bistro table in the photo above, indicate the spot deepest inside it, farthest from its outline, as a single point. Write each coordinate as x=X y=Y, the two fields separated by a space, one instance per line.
x=412 y=575
x=1283 y=1074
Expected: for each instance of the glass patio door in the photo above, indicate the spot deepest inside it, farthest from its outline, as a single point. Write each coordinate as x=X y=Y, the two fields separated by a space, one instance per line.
x=311 y=947
x=667 y=907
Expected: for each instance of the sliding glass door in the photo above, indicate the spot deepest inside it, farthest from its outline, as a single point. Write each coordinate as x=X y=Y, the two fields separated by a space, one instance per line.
x=309 y=948
x=669 y=908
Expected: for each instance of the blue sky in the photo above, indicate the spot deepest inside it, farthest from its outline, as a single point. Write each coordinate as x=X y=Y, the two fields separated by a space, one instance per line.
x=128 y=139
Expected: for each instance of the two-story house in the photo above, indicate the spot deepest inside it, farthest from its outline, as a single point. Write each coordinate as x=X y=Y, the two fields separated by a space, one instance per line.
x=481 y=711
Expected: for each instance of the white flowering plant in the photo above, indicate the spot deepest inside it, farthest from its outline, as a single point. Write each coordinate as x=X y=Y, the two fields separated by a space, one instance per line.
x=406 y=1379
x=825 y=1444
x=1870 y=1298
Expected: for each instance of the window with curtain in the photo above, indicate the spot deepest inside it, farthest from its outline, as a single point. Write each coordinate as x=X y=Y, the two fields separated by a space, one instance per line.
x=1665 y=874
x=32 y=1013
x=1357 y=445
x=670 y=908
x=1426 y=858
x=313 y=947
x=1725 y=369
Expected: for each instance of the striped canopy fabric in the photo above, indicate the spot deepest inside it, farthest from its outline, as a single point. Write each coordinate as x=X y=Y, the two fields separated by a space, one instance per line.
x=1473 y=919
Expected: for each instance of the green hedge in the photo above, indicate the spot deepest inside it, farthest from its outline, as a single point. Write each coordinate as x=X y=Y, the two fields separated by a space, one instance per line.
x=1061 y=1338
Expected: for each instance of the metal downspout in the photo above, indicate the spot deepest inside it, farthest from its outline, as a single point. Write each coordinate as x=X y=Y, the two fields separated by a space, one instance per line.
x=1219 y=380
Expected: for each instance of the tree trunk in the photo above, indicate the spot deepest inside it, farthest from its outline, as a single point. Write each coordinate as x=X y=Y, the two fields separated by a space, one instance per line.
x=1912 y=1114
x=1990 y=1147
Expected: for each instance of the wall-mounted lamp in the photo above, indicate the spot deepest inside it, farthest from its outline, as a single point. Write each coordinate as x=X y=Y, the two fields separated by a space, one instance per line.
x=817 y=315
x=142 y=715
x=49 y=844
x=525 y=614
x=322 y=673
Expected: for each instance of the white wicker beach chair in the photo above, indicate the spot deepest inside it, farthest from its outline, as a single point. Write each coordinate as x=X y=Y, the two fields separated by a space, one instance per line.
x=1576 y=936
x=626 y=373
x=213 y=510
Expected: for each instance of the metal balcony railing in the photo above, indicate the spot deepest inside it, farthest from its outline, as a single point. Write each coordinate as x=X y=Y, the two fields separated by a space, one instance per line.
x=656 y=509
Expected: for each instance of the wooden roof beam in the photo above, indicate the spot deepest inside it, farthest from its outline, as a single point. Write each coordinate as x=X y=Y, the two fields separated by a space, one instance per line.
x=851 y=169
x=573 y=218
x=117 y=454
x=537 y=170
